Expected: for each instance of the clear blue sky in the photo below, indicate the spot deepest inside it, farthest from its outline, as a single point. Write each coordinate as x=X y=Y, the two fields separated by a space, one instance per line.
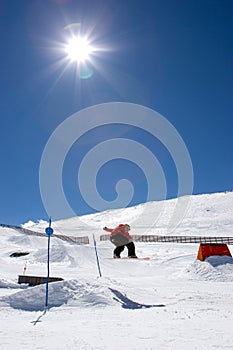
x=174 y=56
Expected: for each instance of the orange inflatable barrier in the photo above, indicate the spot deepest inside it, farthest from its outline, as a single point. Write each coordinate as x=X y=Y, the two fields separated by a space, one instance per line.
x=206 y=250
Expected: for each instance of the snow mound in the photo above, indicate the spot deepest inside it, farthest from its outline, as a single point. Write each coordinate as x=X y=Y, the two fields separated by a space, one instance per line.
x=72 y=292
x=58 y=254
x=214 y=268
x=21 y=240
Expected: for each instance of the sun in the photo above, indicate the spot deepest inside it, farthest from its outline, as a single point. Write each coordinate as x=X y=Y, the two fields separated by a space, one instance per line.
x=78 y=49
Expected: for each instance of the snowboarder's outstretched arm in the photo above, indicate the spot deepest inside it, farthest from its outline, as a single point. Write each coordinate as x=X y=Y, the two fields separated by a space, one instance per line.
x=108 y=229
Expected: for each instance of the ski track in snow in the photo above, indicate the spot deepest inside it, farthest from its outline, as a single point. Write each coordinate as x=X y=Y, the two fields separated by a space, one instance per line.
x=119 y=310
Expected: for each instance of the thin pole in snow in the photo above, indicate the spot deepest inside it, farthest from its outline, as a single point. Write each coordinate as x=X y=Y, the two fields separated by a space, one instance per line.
x=96 y=254
x=49 y=232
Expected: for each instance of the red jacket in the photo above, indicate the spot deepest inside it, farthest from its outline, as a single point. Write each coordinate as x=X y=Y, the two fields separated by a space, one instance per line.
x=119 y=230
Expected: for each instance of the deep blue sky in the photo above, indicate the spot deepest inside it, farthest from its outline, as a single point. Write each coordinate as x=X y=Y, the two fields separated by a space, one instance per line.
x=174 y=56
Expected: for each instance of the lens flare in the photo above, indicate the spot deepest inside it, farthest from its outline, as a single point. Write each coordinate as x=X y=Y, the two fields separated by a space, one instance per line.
x=73 y=26
x=84 y=71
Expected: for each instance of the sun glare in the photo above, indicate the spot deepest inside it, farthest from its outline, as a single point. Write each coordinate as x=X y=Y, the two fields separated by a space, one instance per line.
x=78 y=49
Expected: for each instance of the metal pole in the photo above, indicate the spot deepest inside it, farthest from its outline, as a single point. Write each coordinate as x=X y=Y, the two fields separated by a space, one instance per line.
x=49 y=232
x=97 y=258
x=47 y=279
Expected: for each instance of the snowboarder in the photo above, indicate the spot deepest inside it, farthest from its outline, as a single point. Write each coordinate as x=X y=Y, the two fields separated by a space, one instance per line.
x=121 y=238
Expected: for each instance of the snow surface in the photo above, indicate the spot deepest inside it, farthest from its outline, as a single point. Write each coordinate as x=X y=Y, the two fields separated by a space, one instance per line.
x=123 y=309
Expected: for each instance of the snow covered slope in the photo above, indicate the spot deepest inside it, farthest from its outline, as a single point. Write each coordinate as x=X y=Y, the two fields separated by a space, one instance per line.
x=123 y=309
x=210 y=213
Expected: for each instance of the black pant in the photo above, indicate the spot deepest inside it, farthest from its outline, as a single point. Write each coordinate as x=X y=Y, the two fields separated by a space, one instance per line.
x=130 y=246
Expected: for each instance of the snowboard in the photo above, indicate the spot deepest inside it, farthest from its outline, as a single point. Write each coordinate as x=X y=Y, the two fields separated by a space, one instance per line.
x=132 y=259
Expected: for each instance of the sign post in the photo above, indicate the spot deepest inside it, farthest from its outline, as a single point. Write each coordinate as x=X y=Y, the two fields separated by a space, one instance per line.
x=49 y=232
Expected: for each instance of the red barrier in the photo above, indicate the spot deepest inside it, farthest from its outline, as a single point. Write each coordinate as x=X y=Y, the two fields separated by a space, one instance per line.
x=206 y=250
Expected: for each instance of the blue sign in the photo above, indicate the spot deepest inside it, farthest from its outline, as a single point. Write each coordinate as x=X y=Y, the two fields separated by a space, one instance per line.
x=49 y=231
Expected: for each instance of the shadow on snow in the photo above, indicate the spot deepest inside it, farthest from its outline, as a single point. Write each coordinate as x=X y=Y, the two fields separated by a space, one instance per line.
x=127 y=303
